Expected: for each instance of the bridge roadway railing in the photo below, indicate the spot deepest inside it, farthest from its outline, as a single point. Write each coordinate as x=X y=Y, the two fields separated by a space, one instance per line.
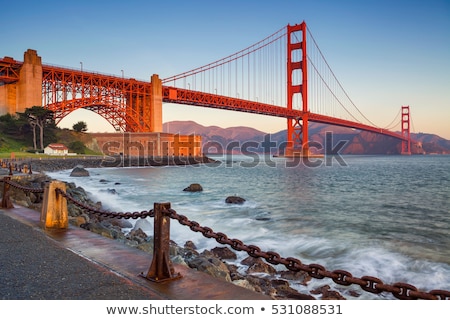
x=161 y=268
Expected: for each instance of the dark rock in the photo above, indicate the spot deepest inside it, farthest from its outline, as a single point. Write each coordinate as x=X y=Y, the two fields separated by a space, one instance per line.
x=284 y=290
x=234 y=200
x=111 y=191
x=209 y=264
x=301 y=277
x=257 y=265
x=327 y=294
x=234 y=273
x=79 y=172
x=194 y=187
x=224 y=253
x=190 y=245
x=121 y=223
x=262 y=285
x=137 y=235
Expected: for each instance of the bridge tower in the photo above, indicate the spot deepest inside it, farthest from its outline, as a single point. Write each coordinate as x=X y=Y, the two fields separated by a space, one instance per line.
x=21 y=83
x=406 y=133
x=297 y=129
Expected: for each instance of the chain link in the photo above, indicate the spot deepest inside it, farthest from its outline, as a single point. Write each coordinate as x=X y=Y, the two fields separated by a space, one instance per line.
x=104 y=213
x=23 y=188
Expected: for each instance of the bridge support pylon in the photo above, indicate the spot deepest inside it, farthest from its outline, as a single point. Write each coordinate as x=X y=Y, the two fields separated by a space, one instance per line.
x=406 y=133
x=23 y=89
x=297 y=129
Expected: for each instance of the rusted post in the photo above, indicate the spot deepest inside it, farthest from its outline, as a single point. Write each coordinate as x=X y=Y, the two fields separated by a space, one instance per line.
x=6 y=200
x=54 y=212
x=161 y=268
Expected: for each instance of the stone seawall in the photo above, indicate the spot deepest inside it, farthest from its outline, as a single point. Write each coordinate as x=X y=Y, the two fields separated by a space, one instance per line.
x=66 y=163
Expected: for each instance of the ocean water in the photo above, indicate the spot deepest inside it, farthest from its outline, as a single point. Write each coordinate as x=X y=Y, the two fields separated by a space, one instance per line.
x=381 y=216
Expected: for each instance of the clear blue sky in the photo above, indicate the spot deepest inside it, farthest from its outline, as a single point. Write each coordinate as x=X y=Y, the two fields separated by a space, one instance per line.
x=385 y=53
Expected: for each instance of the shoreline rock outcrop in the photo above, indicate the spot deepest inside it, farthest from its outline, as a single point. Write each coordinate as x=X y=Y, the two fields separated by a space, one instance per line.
x=79 y=171
x=234 y=200
x=194 y=187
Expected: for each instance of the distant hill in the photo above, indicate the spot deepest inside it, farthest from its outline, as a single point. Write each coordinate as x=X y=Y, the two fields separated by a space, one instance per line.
x=356 y=141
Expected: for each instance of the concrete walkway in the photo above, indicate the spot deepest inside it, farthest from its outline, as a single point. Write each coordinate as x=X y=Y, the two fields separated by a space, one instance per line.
x=78 y=264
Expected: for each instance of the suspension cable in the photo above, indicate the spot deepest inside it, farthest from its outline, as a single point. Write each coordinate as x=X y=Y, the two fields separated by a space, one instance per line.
x=338 y=82
x=261 y=44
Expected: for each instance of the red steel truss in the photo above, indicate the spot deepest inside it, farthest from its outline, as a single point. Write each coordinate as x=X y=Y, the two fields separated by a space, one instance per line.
x=124 y=103
x=9 y=70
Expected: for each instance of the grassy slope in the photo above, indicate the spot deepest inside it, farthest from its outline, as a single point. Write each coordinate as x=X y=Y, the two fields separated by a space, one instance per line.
x=10 y=145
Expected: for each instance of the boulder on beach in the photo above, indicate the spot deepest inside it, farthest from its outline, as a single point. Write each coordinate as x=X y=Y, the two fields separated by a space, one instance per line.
x=234 y=200
x=79 y=171
x=194 y=187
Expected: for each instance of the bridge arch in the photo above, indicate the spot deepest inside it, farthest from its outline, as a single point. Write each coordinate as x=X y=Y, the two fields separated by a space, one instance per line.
x=114 y=114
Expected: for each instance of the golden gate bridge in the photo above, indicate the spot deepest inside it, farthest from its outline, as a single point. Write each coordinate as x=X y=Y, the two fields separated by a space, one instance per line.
x=284 y=75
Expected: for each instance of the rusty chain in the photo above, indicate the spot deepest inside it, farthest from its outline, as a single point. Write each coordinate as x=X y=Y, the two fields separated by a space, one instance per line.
x=105 y=213
x=23 y=188
x=374 y=285
x=400 y=290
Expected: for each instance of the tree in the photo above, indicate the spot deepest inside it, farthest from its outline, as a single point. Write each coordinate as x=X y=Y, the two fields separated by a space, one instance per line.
x=80 y=126
x=9 y=124
x=77 y=147
x=41 y=118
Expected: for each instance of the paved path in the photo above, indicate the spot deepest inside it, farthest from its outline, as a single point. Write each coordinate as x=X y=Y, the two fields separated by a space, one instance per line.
x=78 y=264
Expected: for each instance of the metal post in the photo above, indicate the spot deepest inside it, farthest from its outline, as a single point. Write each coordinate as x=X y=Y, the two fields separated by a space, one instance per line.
x=54 y=213
x=161 y=268
x=6 y=200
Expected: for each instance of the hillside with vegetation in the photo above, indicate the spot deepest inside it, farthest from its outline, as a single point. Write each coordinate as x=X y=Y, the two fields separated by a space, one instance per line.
x=28 y=133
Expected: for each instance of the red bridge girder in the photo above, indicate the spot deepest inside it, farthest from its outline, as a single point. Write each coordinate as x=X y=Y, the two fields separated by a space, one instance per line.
x=196 y=98
x=9 y=70
x=124 y=103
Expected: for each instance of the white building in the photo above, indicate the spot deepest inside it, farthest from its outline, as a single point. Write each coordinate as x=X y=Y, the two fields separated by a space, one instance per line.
x=56 y=149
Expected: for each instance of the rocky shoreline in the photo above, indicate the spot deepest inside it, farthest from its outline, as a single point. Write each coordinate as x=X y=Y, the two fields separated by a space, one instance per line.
x=66 y=163
x=219 y=262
